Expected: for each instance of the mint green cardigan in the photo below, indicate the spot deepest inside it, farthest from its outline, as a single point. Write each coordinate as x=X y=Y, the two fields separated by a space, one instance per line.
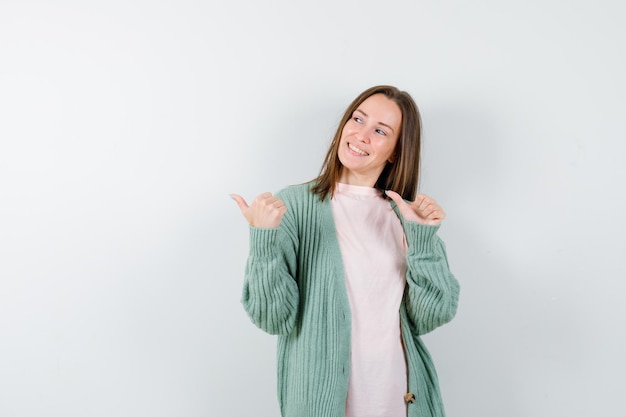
x=294 y=287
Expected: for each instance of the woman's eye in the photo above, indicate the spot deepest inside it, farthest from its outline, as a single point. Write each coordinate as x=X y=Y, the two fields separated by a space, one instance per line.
x=381 y=132
x=357 y=119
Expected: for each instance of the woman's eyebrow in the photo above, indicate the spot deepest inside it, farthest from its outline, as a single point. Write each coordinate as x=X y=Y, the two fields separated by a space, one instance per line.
x=380 y=123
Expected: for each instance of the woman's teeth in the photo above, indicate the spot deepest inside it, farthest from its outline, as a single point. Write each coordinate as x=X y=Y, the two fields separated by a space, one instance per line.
x=357 y=150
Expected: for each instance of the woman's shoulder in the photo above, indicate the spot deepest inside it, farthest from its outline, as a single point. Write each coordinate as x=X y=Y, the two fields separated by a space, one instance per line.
x=299 y=195
x=297 y=191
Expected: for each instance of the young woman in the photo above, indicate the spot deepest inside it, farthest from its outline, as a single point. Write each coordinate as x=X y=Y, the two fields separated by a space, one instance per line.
x=348 y=270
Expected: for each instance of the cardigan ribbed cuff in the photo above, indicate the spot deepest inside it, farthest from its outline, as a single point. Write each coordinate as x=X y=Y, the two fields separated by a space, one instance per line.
x=420 y=237
x=262 y=241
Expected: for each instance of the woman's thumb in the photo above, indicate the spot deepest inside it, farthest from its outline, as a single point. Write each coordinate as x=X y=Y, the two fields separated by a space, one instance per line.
x=395 y=197
x=243 y=206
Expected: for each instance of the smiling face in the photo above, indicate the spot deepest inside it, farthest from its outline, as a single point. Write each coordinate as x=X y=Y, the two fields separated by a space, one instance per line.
x=368 y=140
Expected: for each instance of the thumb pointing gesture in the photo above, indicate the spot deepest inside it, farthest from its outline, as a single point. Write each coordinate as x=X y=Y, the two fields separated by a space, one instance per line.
x=265 y=212
x=423 y=210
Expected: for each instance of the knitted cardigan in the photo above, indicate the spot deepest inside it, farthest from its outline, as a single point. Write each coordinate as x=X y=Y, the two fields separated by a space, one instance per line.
x=294 y=287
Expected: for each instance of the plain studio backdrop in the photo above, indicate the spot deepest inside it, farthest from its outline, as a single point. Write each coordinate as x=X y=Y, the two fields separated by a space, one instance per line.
x=124 y=126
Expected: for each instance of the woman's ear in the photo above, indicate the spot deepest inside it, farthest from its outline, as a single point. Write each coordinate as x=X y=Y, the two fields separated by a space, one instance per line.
x=392 y=158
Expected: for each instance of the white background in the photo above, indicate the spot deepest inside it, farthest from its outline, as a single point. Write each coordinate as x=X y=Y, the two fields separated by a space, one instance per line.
x=124 y=126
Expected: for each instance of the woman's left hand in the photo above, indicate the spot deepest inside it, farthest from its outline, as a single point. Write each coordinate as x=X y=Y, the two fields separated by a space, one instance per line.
x=423 y=210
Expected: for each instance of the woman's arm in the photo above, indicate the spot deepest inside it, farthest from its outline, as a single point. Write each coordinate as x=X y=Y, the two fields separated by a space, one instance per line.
x=432 y=292
x=270 y=293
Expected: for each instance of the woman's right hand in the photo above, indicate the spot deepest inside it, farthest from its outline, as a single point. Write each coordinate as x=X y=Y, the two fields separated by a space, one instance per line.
x=265 y=212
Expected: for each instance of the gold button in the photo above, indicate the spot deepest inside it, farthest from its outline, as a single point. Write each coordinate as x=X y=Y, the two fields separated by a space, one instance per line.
x=409 y=398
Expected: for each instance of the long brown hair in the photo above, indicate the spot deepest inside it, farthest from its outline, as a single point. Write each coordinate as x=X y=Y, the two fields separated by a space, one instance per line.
x=402 y=174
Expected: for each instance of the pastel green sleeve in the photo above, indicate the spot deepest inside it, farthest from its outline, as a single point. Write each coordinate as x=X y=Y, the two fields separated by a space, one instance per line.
x=432 y=292
x=270 y=292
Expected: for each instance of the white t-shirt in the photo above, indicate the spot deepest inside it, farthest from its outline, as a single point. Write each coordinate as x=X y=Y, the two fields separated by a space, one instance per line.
x=373 y=249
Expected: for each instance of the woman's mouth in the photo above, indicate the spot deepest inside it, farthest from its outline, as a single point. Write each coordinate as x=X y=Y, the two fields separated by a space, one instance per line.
x=357 y=150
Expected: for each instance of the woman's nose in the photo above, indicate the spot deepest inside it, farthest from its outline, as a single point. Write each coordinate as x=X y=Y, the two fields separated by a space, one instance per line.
x=363 y=135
